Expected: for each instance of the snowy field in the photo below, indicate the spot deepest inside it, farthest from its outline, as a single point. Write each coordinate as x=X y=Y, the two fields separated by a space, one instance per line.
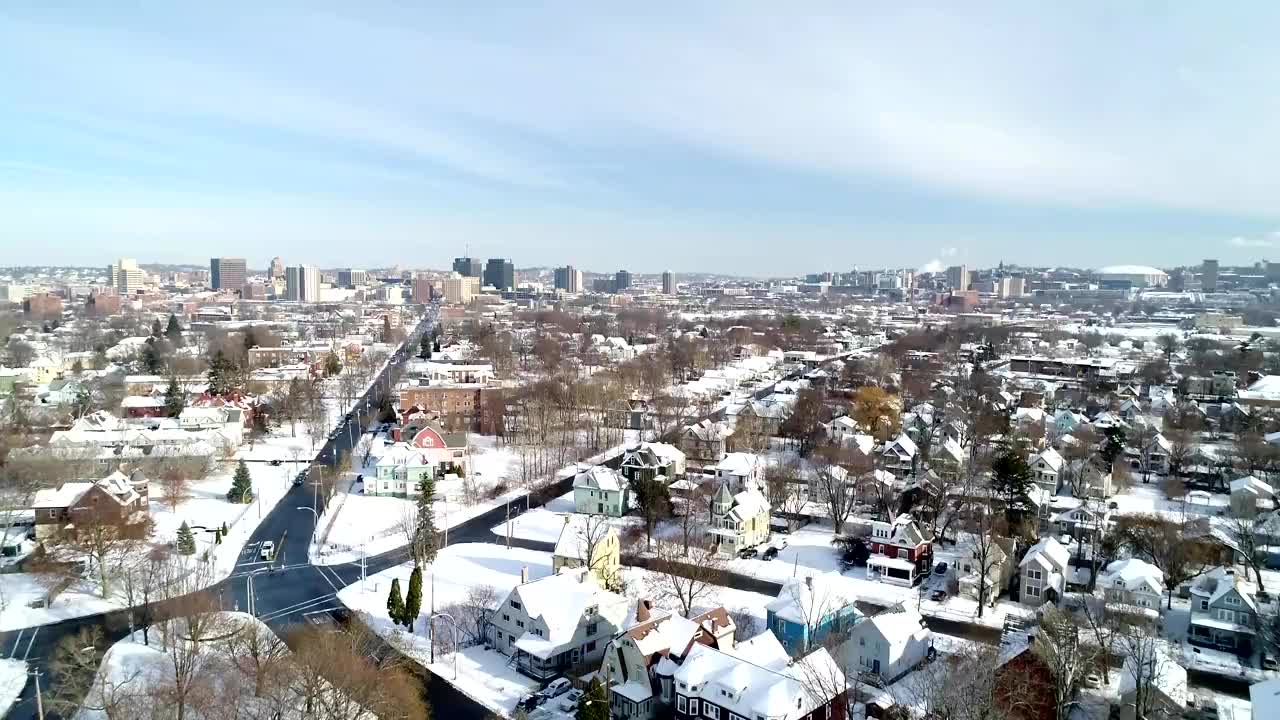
x=13 y=678
x=544 y=524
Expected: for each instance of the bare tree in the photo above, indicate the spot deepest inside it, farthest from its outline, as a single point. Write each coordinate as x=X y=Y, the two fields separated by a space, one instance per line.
x=965 y=687
x=1241 y=535
x=1058 y=646
x=344 y=676
x=259 y=654
x=688 y=578
x=832 y=488
x=1147 y=659
x=176 y=485
x=473 y=613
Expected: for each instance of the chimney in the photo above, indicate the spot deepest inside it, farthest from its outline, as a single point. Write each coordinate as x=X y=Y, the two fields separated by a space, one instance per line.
x=642 y=610
x=524 y=574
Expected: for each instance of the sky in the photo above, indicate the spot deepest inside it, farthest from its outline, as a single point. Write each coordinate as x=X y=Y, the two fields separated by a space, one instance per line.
x=718 y=137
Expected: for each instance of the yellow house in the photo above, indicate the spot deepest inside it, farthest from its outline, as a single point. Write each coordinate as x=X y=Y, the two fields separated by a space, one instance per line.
x=589 y=541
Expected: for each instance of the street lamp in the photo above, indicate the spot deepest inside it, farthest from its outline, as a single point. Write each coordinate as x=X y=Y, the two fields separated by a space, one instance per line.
x=315 y=523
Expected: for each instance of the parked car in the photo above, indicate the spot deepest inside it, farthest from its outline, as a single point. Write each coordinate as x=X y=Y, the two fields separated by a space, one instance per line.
x=769 y=553
x=747 y=553
x=569 y=701
x=1270 y=663
x=1093 y=680
x=531 y=701
x=940 y=569
x=938 y=595
x=556 y=688
x=276 y=462
x=302 y=477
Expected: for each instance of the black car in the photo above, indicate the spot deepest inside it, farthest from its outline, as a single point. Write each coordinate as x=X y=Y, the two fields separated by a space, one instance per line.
x=940 y=569
x=276 y=463
x=747 y=553
x=302 y=477
x=769 y=553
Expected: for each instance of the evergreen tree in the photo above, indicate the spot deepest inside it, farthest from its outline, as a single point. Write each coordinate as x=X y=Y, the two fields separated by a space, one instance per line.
x=155 y=328
x=437 y=344
x=395 y=604
x=241 y=485
x=594 y=703
x=186 y=541
x=1112 y=444
x=413 y=599
x=174 y=398
x=151 y=358
x=220 y=371
x=1011 y=481
x=426 y=542
x=173 y=331
x=424 y=345
x=250 y=338
x=386 y=328
x=332 y=365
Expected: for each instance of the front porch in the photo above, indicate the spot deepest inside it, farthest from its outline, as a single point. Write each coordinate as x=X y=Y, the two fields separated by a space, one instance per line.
x=894 y=571
x=1219 y=635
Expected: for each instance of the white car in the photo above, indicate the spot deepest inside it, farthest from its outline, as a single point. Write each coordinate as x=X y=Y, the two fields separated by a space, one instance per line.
x=556 y=688
x=268 y=550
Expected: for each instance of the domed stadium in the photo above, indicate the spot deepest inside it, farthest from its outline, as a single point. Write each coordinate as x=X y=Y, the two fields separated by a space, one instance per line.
x=1136 y=276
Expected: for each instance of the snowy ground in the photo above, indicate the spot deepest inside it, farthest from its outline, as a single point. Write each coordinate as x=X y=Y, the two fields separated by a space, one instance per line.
x=13 y=678
x=545 y=523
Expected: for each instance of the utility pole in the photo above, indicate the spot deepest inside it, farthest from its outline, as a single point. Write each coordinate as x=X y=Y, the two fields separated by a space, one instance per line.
x=508 y=524
x=39 y=697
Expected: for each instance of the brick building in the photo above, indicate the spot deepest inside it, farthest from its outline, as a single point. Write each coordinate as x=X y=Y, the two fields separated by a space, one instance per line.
x=459 y=407
x=118 y=500
x=43 y=305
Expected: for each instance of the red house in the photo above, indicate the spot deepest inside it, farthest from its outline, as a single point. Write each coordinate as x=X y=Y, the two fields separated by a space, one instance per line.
x=900 y=553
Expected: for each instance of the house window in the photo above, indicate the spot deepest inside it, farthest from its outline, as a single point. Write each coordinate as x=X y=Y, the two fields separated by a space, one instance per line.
x=693 y=706
x=680 y=701
x=711 y=711
x=1035 y=575
x=515 y=604
x=591 y=646
x=499 y=636
x=506 y=617
x=592 y=629
x=1204 y=604
x=520 y=624
x=1233 y=600
x=1226 y=615
x=1033 y=591
x=53 y=513
x=903 y=553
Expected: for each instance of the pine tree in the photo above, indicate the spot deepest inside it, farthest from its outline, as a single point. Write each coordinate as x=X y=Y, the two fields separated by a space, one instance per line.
x=155 y=328
x=426 y=542
x=395 y=604
x=386 y=328
x=220 y=374
x=413 y=599
x=594 y=704
x=151 y=359
x=241 y=485
x=173 y=331
x=186 y=541
x=332 y=365
x=424 y=345
x=174 y=398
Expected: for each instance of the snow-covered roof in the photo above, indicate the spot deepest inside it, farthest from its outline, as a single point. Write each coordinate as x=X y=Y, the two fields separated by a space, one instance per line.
x=1049 y=553
x=805 y=601
x=740 y=464
x=1051 y=458
x=1133 y=574
x=1253 y=485
x=897 y=625
x=578 y=530
x=600 y=477
x=1163 y=673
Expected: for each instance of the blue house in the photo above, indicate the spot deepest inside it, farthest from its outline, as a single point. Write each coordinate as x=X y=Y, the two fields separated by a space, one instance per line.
x=808 y=611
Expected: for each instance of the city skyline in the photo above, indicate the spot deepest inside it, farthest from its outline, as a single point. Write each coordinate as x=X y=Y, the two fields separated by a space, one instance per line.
x=897 y=138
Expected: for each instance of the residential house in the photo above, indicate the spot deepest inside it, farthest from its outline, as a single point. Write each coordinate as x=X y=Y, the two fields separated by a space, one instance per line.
x=768 y=414
x=899 y=456
x=631 y=661
x=1080 y=522
x=998 y=565
x=1046 y=468
x=588 y=540
x=648 y=461
x=1042 y=573
x=714 y=685
x=809 y=611
x=948 y=459
x=845 y=432
x=1224 y=615
x=1248 y=495
x=738 y=520
x=1152 y=458
x=1133 y=582
x=900 y=552
x=117 y=500
x=449 y=452
x=1024 y=681
x=558 y=623
x=704 y=442
x=400 y=472
x=889 y=644
x=600 y=490
x=742 y=471
x=1164 y=687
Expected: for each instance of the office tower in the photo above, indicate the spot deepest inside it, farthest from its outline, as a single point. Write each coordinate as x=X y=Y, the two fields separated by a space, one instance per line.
x=276 y=269
x=958 y=277
x=569 y=279
x=621 y=280
x=467 y=267
x=302 y=283
x=423 y=288
x=227 y=273
x=126 y=277
x=668 y=283
x=500 y=273
x=1209 y=276
x=459 y=289
x=351 y=278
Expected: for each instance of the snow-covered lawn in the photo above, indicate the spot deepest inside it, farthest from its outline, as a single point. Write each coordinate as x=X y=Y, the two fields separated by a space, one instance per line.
x=545 y=523
x=13 y=678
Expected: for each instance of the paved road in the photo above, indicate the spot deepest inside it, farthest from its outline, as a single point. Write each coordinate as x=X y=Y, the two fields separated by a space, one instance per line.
x=283 y=597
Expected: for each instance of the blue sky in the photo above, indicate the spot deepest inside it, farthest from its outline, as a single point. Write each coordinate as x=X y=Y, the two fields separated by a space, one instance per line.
x=720 y=136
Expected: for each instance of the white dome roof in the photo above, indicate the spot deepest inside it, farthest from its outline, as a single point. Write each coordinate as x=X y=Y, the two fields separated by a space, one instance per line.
x=1129 y=270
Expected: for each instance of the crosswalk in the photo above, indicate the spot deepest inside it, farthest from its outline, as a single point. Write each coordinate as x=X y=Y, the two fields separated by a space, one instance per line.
x=17 y=645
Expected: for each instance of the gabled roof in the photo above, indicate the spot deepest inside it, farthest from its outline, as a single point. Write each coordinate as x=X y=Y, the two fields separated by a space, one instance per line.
x=806 y=601
x=1253 y=485
x=577 y=531
x=1048 y=553
x=600 y=477
x=1051 y=458
x=904 y=444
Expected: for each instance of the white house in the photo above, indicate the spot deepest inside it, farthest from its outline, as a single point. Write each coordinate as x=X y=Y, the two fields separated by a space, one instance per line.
x=899 y=455
x=742 y=471
x=1133 y=582
x=1166 y=683
x=889 y=644
x=1046 y=466
x=557 y=623
x=1043 y=573
x=1247 y=494
x=738 y=520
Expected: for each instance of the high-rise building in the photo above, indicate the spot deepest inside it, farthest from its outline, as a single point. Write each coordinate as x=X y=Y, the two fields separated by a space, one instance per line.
x=459 y=289
x=423 y=288
x=958 y=277
x=1209 y=276
x=569 y=279
x=500 y=273
x=668 y=283
x=126 y=277
x=467 y=267
x=276 y=269
x=621 y=280
x=352 y=278
x=227 y=273
x=302 y=283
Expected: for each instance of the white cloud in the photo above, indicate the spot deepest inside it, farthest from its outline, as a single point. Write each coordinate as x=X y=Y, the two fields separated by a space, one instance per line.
x=948 y=252
x=1244 y=242
x=933 y=266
